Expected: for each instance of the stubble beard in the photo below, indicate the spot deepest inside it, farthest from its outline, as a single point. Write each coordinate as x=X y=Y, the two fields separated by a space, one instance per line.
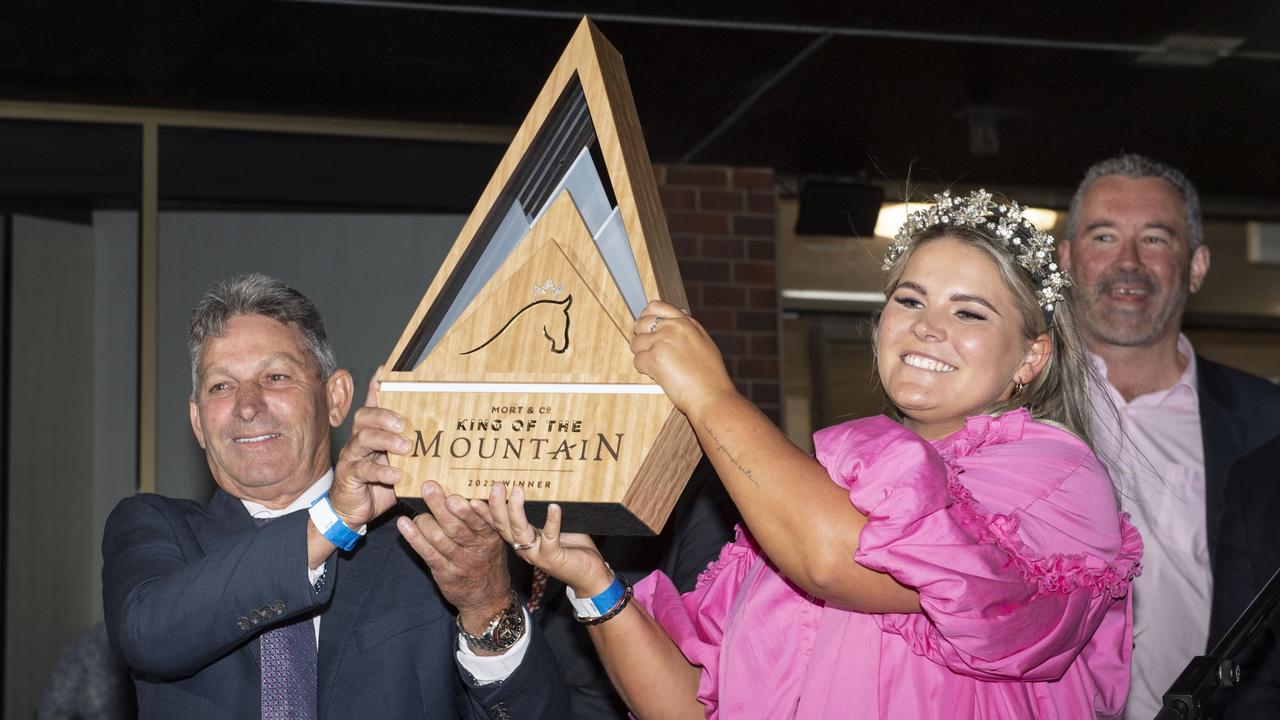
x=1113 y=326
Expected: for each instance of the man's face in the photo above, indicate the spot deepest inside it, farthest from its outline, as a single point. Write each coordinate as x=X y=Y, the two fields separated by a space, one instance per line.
x=1131 y=263
x=261 y=412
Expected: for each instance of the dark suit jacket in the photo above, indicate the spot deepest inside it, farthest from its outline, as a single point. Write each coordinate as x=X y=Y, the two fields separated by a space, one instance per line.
x=1238 y=412
x=1248 y=555
x=187 y=590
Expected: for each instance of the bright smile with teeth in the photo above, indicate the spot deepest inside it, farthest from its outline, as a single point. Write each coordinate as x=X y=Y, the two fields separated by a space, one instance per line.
x=925 y=363
x=258 y=438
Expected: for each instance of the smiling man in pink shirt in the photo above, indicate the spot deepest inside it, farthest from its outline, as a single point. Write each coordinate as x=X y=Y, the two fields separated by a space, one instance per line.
x=1136 y=254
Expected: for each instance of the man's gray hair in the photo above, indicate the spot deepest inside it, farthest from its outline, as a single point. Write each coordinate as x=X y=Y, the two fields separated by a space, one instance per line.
x=1137 y=167
x=257 y=294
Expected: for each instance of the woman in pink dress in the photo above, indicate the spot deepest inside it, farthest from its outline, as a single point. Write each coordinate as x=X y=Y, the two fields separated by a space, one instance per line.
x=964 y=558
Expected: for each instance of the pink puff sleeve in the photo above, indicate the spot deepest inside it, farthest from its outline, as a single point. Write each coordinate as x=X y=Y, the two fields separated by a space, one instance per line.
x=994 y=607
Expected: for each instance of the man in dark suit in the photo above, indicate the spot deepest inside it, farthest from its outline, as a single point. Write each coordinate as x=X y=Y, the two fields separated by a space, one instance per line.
x=1169 y=422
x=1248 y=554
x=301 y=591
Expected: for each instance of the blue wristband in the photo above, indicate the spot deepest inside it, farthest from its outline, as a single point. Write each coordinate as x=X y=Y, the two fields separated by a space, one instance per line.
x=332 y=526
x=605 y=601
x=598 y=605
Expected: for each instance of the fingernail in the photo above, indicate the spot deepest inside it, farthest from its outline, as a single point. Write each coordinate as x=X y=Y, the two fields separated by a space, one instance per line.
x=429 y=488
x=397 y=422
x=402 y=445
x=403 y=524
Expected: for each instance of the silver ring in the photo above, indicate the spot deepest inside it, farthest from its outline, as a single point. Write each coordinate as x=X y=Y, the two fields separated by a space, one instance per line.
x=653 y=326
x=521 y=546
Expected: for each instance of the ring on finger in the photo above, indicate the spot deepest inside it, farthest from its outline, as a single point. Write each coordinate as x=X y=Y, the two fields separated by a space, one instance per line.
x=518 y=546
x=653 y=326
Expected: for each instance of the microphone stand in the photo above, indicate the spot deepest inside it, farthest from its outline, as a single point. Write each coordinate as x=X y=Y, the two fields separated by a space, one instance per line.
x=1188 y=696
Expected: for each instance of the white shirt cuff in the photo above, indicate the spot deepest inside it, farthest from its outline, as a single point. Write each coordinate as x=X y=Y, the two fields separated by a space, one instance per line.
x=495 y=668
x=314 y=575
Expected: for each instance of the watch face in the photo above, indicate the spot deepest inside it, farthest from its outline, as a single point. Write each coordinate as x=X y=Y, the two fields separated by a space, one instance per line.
x=509 y=629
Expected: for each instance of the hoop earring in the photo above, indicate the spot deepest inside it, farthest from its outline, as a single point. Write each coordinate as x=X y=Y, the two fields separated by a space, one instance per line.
x=1017 y=388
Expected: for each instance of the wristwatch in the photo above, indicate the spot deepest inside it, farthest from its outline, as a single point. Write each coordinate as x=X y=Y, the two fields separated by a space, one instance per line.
x=502 y=631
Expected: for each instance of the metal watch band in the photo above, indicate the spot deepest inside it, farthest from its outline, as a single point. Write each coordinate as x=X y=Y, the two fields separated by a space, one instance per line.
x=501 y=632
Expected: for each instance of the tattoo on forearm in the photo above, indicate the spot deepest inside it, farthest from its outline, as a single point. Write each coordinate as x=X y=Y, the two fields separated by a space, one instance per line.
x=720 y=446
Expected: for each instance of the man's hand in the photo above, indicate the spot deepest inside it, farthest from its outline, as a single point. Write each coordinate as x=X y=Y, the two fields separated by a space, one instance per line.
x=467 y=558
x=363 y=482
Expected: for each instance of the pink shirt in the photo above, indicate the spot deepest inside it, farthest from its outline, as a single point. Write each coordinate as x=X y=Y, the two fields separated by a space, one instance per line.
x=1009 y=531
x=1154 y=449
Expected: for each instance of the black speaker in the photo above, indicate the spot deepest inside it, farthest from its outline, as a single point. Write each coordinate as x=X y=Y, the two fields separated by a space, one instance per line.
x=838 y=208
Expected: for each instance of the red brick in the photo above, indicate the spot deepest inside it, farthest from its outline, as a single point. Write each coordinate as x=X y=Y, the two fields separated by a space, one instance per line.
x=760 y=201
x=685 y=246
x=762 y=249
x=758 y=367
x=722 y=200
x=757 y=320
x=728 y=248
x=755 y=273
x=704 y=271
x=759 y=225
x=764 y=392
x=731 y=344
x=701 y=175
x=678 y=198
x=698 y=223
x=724 y=296
x=693 y=295
x=716 y=318
x=753 y=178
x=762 y=298
x=763 y=344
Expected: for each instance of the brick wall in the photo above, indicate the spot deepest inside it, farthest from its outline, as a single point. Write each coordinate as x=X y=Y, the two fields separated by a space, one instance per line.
x=722 y=226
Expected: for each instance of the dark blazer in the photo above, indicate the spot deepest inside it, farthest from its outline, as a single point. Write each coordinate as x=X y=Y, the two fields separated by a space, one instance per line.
x=1238 y=412
x=187 y=590
x=1248 y=555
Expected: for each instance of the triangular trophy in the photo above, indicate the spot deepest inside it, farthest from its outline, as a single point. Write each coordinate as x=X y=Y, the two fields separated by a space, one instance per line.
x=516 y=367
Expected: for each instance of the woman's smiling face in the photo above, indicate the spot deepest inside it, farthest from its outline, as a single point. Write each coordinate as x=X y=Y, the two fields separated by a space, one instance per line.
x=950 y=339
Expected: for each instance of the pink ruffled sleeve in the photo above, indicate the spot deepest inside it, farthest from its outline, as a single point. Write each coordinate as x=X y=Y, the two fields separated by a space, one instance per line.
x=696 y=621
x=994 y=607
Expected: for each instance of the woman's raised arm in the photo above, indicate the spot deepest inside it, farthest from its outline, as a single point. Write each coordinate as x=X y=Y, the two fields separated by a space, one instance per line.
x=802 y=520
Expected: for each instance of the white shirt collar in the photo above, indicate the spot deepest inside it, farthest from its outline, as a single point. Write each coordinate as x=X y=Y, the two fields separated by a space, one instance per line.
x=318 y=488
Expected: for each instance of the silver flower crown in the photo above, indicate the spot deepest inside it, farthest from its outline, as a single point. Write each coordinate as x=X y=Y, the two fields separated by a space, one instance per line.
x=1031 y=247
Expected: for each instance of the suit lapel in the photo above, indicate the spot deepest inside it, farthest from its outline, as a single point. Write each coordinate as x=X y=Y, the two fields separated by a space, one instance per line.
x=1221 y=428
x=353 y=575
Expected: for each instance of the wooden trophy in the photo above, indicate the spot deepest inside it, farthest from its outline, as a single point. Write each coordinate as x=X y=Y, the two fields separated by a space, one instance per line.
x=516 y=367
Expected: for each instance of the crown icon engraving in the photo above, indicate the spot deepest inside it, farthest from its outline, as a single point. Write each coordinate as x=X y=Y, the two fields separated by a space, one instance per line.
x=548 y=287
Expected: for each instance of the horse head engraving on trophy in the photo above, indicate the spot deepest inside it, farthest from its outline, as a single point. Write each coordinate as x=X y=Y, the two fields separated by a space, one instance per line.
x=551 y=315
